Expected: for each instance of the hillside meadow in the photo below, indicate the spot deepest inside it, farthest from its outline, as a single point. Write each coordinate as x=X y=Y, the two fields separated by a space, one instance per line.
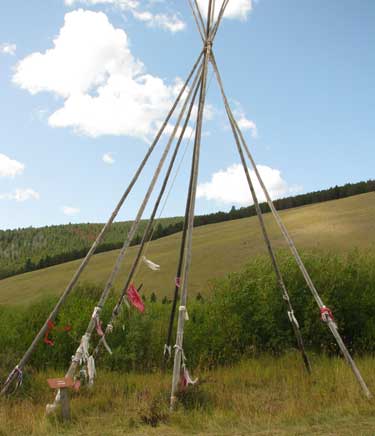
x=336 y=226
x=238 y=340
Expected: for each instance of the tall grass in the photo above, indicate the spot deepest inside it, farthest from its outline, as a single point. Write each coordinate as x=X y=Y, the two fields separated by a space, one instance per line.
x=264 y=396
x=238 y=342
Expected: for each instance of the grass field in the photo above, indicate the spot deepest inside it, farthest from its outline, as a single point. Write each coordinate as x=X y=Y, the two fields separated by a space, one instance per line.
x=338 y=226
x=266 y=396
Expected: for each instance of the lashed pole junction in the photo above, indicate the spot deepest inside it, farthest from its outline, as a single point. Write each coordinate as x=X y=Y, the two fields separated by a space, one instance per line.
x=194 y=87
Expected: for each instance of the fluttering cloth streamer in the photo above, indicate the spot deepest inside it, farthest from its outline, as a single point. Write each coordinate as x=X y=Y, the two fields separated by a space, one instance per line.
x=50 y=326
x=99 y=328
x=16 y=374
x=135 y=299
x=186 y=380
x=153 y=266
x=292 y=318
x=47 y=340
x=91 y=369
x=178 y=282
x=183 y=309
x=326 y=315
x=168 y=350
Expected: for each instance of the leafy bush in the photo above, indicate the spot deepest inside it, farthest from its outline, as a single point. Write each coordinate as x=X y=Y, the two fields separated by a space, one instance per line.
x=241 y=315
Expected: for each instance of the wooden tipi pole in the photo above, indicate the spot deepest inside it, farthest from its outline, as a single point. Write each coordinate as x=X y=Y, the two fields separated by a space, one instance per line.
x=280 y=280
x=182 y=313
x=18 y=369
x=325 y=313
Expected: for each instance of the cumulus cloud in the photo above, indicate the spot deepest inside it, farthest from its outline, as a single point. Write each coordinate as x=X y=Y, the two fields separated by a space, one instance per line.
x=70 y=211
x=246 y=124
x=8 y=48
x=230 y=185
x=10 y=167
x=106 y=90
x=236 y=9
x=171 y=22
x=21 y=195
x=108 y=158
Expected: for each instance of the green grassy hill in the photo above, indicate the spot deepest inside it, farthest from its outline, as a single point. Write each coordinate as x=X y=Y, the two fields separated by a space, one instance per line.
x=338 y=226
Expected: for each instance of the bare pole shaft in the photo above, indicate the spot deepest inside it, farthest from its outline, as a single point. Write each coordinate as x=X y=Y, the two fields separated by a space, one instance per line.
x=285 y=295
x=26 y=357
x=179 y=268
x=199 y=15
x=178 y=354
x=331 y=324
x=219 y=18
x=197 y=22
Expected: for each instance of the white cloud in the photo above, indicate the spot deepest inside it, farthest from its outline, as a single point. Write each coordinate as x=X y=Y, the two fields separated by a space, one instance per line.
x=246 y=124
x=10 y=167
x=189 y=131
x=230 y=185
x=70 y=211
x=108 y=158
x=236 y=9
x=171 y=22
x=243 y=122
x=105 y=89
x=8 y=48
x=121 y=3
x=21 y=195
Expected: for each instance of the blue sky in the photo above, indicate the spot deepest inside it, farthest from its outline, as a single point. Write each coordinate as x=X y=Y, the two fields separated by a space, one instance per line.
x=300 y=76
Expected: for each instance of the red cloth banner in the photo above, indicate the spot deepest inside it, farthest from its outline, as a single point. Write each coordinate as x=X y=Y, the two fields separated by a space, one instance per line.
x=47 y=340
x=325 y=311
x=135 y=299
x=50 y=326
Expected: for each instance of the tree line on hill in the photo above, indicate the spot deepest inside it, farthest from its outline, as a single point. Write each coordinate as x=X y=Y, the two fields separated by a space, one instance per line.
x=25 y=250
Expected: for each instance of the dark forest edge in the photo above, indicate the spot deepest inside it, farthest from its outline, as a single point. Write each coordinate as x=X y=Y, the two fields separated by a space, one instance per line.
x=30 y=249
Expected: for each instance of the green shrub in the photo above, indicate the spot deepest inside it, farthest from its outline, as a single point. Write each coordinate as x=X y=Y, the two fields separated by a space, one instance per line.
x=241 y=315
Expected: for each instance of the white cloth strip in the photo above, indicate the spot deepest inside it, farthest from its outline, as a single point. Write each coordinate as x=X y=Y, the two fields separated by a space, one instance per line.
x=292 y=318
x=152 y=265
x=106 y=346
x=91 y=370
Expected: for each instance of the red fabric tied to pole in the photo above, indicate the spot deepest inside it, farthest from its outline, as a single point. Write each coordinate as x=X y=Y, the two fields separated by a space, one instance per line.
x=50 y=326
x=99 y=329
x=326 y=311
x=47 y=340
x=135 y=299
x=183 y=382
x=178 y=282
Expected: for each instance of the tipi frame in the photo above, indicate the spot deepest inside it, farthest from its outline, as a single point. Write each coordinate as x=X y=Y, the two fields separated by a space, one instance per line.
x=185 y=102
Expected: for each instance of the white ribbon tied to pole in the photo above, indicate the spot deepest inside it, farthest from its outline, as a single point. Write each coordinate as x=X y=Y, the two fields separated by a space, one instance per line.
x=292 y=318
x=183 y=309
x=153 y=266
x=91 y=369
